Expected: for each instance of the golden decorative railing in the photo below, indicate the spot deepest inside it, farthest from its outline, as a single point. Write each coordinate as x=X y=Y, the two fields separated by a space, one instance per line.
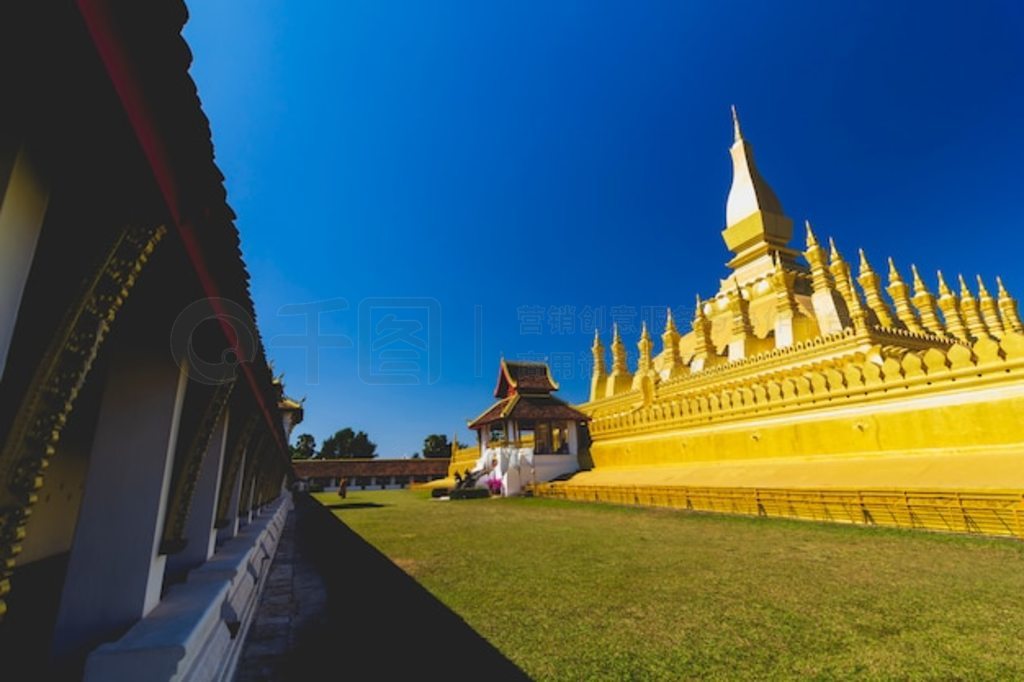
x=997 y=513
x=464 y=458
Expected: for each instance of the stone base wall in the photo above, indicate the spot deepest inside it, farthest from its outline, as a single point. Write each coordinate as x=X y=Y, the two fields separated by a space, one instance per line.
x=197 y=630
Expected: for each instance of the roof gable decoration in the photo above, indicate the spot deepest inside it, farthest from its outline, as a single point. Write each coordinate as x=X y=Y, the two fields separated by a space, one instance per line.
x=524 y=393
x=523 y=377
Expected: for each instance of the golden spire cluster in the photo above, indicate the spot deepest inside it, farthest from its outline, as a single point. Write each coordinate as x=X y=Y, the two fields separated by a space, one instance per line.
x=962 y=314
x=771 y=302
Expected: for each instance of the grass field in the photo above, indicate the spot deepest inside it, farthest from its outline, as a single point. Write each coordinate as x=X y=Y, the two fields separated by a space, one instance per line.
x=584 y=591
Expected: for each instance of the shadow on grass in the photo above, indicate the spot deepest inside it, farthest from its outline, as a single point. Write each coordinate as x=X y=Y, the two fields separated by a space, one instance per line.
x=380 y=619
x=355 y=505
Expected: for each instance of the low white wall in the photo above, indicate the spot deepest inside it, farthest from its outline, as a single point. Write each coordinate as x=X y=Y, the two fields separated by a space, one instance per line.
x=518 y=467
x=197 y=631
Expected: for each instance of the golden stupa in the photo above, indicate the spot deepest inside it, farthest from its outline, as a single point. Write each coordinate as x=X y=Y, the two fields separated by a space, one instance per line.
x=805 y=390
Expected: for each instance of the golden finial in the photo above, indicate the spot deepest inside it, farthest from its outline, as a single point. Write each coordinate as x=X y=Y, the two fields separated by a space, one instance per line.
x=644 y=345
x=811 y=240
x=833 y=252
x=919 y=284
x=599 y=367
x=964 y=291
x=865 y=266
x=670 y=324
x=672 y=363
x=898 y=293
x=1008 y=309
x=857 y=312
x=737 y=134
x=982 y=291
x=894 y=274
x=950 y=310
x=989 y=310
x=618 y=352
x=944 y=289
x=699 y=311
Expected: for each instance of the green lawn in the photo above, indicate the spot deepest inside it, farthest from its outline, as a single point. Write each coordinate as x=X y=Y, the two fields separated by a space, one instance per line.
x=585 y=591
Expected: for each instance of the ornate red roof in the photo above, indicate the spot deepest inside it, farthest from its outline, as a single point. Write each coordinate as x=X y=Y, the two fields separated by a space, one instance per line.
x=523 y=377
x=527 y=407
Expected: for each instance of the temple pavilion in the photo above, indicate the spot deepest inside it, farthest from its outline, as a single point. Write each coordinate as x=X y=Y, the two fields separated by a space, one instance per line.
x=528 y=435
x=808 y=387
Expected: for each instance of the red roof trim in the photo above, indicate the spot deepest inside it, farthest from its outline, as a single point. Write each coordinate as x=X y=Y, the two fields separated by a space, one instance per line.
x=119 y=67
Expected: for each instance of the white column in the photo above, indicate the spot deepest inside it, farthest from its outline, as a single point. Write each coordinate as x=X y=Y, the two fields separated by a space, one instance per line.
x=231 y=530
x=115 y=573
x=22 y=209
x=199 y=531
x=250 y=494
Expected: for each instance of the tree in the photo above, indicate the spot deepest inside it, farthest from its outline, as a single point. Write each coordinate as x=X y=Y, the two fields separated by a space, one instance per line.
x=436 y=445
x=305 y=447
x=339 y=445
x=363 y=447
x=346 y=443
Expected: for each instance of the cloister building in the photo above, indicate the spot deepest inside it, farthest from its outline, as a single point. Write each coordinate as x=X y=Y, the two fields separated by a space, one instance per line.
x=143 y=434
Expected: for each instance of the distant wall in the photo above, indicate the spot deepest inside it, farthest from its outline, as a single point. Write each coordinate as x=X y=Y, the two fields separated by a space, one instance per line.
x=415 y=469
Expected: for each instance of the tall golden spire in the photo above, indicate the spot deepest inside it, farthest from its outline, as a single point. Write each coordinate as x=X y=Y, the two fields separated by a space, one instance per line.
x=897 y=289
x=1008 y=309
x=598 y=377
x=815 y=255
x=644 y=345
x=645 y=365
x=740 y=313
x=673 y=363
x=858 y=314
x=970 y=312
x=755 y=223
x=989 y=310
x=950 y=307
x=841 y=273
x=830 y=308
x=782 y=283
x=741 y=330
x=618 y=352
x=925 y=304
x=704 y=350
x=785 y=305
x=872 y=293
x=620 y=378
x=598 y=350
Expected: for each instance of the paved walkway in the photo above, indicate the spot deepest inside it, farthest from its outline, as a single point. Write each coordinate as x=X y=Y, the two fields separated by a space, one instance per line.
x=291 y=615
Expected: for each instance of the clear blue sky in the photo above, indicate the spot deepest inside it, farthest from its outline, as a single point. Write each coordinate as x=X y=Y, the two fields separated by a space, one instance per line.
x=536 y=162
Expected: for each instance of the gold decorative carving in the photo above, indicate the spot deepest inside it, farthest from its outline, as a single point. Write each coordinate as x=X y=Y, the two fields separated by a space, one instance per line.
x=186 y=471
x=235 y=452
x=253 y=463
x=57 y=381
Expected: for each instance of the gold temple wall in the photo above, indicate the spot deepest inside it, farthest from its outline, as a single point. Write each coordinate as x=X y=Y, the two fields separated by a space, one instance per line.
x=996 y=513
x=860 y=405
x=905 y=427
